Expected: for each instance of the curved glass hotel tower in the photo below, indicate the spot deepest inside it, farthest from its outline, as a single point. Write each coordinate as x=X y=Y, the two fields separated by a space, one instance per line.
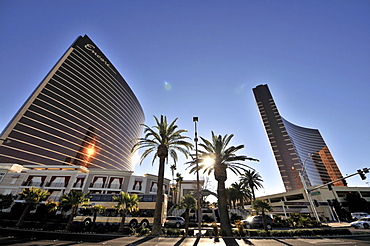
x=83 y=113
x=296 y=149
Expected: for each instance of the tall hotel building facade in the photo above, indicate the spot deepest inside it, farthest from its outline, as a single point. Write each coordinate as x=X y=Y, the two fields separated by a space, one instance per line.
x=296 y=149
x=82 y=114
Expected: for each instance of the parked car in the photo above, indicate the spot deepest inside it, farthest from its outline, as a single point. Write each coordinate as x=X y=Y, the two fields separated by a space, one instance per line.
x=174 y=221
x=257 y=222
x=359 y=215
x=363 y=222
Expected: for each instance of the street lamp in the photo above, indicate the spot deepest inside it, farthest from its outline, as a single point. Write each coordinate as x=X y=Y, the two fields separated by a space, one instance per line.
x=195 y=120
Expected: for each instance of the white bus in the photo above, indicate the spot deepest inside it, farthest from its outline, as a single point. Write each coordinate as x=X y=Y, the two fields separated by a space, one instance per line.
x=110 y=216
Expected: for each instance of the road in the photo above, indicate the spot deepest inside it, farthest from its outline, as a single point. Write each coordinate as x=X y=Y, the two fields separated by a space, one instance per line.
x=164 y=241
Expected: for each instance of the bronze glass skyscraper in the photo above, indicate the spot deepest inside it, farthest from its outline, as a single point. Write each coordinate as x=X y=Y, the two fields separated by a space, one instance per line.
x=82 y=113
x=296 y=149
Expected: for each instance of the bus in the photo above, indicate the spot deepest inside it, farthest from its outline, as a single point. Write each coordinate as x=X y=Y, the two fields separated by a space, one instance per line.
x=110 y=216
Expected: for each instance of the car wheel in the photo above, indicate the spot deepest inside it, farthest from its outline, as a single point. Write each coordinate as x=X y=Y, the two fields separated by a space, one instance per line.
x=177 y=225
x=133 y=223
x=366 y=226
x=269 y=227
x=87 y=222
x=248 y=226
x=356 y=227
x=144 y=223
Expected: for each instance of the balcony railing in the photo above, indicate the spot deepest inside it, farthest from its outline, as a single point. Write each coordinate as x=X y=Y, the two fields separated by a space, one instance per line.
x=49 y=184
x=106 y=186
x=115 y=186
x=30 y=183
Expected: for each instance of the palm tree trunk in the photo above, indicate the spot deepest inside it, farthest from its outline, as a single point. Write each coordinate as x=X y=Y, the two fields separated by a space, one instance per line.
x=94 y=220
x=157 y=223
x=74 y=211
x=24 y=214
x=122 y=224
x=222 y=208
x=264 y=220
x=187 y=218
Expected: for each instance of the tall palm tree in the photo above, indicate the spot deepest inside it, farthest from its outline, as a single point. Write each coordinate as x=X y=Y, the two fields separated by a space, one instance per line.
x=188 y=202
x=74 y=199
x=173 y=169
x=126 y=203
x=163 y=139
x=179 y=179
x=225 y=158
x=253 y=180
x=263 y=207
x=31 y=196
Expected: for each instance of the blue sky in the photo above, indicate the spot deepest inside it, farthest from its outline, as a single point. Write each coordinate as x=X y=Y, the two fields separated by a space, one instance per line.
x=202 y=58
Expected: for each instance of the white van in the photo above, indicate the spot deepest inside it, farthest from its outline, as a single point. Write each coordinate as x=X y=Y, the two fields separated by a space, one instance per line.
x=358 y=215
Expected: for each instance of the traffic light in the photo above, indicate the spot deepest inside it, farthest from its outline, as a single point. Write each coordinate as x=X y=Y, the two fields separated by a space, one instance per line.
x=344 y=182
x=330 y=187
x=361 y=173
x=316 y=203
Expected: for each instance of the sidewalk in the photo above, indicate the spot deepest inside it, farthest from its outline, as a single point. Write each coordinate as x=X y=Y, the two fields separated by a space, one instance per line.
x=338 y=224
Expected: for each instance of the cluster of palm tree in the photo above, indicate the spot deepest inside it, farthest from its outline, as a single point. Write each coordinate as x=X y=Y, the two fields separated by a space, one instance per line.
x=33 y=196
x=163 y=139
x=72 y=201
x=244 y=191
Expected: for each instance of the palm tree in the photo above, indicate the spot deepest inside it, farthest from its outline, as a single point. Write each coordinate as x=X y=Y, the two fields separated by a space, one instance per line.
x=188 y=202
x=126 y=203
x=252 y=180
x=96 y=209
x=173 y=169
x=163 y=139
x=263 y=207
x=179 y=180
x=74 y=199
x=50 y=206
x=31 y=196
x=224 y=159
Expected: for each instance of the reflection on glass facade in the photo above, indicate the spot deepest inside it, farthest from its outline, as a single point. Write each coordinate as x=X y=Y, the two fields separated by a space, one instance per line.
x=296 y=149
x=83 y=113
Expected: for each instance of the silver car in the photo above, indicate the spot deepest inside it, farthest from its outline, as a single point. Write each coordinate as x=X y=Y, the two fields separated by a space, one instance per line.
x=174 y=221
x=364 y=222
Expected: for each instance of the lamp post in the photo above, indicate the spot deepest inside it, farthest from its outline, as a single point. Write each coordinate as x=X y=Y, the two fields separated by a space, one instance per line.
x=308 y=193
x=195 y=120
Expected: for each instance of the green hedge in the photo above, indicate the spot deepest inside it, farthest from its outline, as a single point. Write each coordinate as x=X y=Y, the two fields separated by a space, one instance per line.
x=292 y=233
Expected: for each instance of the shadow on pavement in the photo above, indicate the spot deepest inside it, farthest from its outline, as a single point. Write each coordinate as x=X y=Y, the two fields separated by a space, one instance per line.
x=142 y=240
x=280 y=241
x=247 y=241
x=180 y=241
x=230 y=242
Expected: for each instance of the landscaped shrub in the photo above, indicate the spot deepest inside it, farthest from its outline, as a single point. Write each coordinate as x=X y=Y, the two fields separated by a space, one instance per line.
x=191 y=232
x=207 y=219
x=144 y=231
x=173 y=232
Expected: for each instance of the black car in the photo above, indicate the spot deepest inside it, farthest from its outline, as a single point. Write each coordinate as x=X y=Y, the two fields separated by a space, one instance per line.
x=257 y=222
